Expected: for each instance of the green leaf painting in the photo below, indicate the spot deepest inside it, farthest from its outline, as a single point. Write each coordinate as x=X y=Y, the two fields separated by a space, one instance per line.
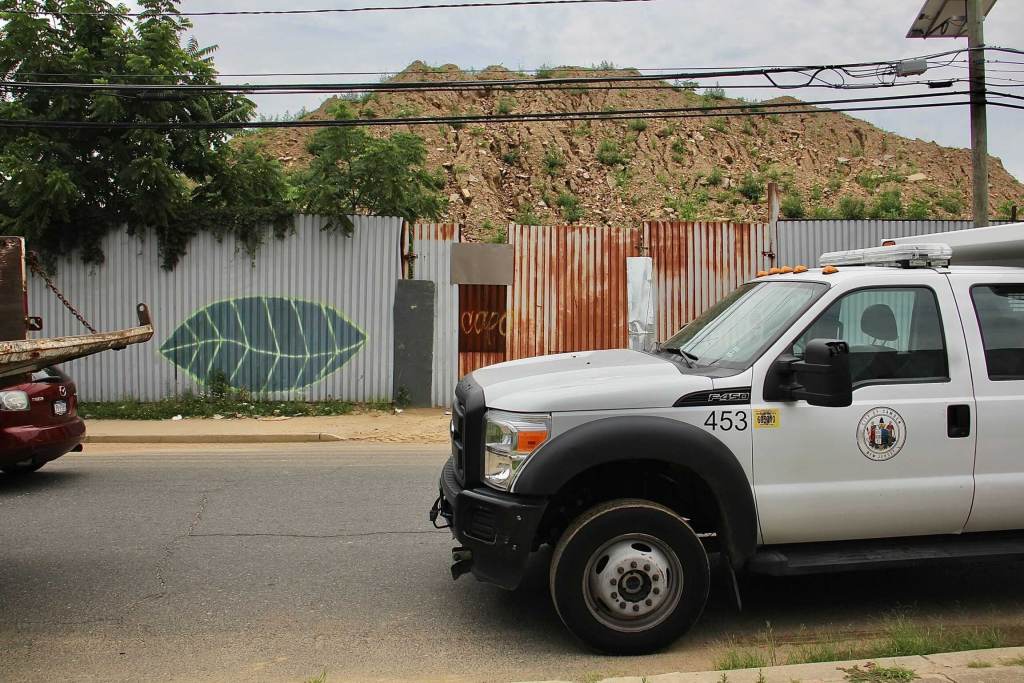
x=264 y=343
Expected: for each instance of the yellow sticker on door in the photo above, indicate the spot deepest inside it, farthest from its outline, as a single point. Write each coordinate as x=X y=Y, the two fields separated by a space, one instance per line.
x=766 y=418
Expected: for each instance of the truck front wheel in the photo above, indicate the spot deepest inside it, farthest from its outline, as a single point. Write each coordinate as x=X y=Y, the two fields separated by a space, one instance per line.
x=629 y=577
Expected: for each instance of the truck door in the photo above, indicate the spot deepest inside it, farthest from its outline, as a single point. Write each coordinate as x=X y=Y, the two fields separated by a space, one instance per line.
x=899 y=461
x=992 y=308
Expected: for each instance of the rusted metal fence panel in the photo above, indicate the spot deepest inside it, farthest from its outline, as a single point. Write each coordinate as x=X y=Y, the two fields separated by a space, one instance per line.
x=431 y=245
x=569 y=289
x=696 y=264
x=483 y=326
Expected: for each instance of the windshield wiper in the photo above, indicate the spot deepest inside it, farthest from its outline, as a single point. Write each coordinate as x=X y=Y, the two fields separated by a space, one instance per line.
x=685 y=355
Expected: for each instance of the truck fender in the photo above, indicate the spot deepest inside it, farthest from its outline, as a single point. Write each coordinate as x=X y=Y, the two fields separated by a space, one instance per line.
x=621 y=439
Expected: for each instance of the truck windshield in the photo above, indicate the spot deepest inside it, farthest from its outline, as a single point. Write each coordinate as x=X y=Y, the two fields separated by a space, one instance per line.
x=735 y=331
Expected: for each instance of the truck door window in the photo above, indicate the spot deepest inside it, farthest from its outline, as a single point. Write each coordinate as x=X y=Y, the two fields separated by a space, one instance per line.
x=894 y=333
x=1000 y=310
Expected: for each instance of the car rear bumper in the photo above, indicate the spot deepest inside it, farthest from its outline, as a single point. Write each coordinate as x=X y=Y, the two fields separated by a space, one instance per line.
x=40 y=444
x=497 y=529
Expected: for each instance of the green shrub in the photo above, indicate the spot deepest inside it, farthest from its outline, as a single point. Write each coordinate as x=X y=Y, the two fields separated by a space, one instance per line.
x=512 y=156
x=554 y=161
x=919 y=210
x=1005 y=210
x=609 y=153
x=888 y=205
x=637 y=125
x=716 y=177
x=793 y=206
x=751 y=187
x=526 y=216
x=505 y=105
x=715 y=94
x=822 y=213
x=851 y=208
x=951 y=203
x=718 y=124
x=748 y=126
x=815 y=195
x=570 y=206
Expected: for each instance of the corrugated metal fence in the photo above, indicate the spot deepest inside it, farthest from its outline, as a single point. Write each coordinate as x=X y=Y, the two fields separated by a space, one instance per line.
x=309 y=316
x=805 y=241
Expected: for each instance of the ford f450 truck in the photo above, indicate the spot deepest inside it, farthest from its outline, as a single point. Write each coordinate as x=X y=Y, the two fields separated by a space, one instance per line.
x=860 y=415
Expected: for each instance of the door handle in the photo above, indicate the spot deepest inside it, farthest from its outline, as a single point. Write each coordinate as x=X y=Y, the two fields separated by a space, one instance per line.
x=958 y=421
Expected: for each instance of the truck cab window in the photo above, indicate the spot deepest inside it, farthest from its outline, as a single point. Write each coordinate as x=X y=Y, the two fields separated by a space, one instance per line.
x=895 y=334
x=1000 y=310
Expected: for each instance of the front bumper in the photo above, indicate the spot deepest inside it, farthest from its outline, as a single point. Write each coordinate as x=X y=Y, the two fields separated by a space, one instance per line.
x=39 y=443
x=499 y=530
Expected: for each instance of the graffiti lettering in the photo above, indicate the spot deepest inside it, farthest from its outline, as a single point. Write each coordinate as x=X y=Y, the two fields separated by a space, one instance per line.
x=481 y=322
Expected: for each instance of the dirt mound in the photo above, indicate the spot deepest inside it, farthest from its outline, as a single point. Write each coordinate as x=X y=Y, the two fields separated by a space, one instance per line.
x=623 y=172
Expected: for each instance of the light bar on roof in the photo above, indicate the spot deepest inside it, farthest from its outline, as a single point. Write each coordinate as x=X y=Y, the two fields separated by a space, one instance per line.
x=898 y=255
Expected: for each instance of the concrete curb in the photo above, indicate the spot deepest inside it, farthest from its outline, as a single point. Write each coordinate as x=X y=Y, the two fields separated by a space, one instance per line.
x=311 y=437
x=976 y=666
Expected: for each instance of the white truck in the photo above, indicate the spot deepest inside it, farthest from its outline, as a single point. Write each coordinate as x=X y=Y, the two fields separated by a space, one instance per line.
x=860 y=415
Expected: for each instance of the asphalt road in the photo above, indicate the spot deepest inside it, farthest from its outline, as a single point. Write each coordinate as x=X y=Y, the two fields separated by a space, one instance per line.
x=279 y=563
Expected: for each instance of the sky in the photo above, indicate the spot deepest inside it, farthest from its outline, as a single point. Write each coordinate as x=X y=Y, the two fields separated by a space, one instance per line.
x=661 y=33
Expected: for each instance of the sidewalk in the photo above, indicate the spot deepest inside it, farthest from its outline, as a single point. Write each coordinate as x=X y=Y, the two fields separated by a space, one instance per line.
x=416 y=425
x=1002 y=665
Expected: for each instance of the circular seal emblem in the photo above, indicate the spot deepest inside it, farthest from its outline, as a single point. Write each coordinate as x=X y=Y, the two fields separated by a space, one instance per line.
x=881 y=434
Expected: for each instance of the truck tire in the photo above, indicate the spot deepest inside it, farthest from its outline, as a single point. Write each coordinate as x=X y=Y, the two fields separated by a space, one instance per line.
x=629 y=577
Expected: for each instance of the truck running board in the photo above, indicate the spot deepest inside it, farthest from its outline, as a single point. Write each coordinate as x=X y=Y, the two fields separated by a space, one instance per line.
x=844 y=556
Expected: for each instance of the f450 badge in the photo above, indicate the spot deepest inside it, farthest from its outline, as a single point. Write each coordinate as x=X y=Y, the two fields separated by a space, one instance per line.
x=881 y=434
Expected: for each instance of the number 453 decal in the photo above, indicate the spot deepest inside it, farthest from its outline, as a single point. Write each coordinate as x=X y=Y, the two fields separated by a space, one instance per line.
x=727 y=420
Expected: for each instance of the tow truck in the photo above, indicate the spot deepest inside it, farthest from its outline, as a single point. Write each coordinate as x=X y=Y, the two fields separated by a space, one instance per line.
x=863 y=414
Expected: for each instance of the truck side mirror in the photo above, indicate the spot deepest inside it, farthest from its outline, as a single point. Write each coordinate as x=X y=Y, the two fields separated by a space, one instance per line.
x=822 y=378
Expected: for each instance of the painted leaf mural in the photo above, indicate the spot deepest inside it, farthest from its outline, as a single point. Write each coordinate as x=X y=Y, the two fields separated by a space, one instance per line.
x=264 y=343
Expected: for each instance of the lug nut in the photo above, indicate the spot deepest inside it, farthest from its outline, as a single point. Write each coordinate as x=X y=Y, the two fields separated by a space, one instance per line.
x=656 y=591
x=622 y=605
x=636 y=608
x=615 y=596
x=632 y=565
x=613 y=582
x=648 y=602
x=647 y=567
x=655 y=578
x=620 y=570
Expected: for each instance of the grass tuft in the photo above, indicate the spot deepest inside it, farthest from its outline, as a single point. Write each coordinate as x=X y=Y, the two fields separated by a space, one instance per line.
x=872 y=673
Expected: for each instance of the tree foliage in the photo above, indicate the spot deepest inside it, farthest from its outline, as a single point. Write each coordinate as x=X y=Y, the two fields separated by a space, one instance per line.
x=65 y=189
x=352 y=171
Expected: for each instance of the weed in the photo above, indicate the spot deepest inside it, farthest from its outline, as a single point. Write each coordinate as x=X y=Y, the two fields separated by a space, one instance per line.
x=918 y=210
x=621 y=177
x=793 y=206
x=487 y=225
x=477 y=131
x=686 y=209
x=402 y=397
x=851 y=208
x=232 y=404
x=741 y=659
x=505 y=105
x=526 y=216
x=678 y=150
x=978 y=664
x=582 y=130
x=637 y=125
x=775 y=118
x=554 y=161
x=872 y=181
x=609 y=153
x=715 y=94
x=689 y=86
x=888 y=205
x=1006 y=210
x=857 y=151
x=718 y=124
x=320 y=678
x=545 y=71
x=499 y=236
x=716 y=177
x=835 y=181
x=872 y=673
x=748 y=126
x=751 y=187
x=1016 y=661
x=512 y=156
x=815 y=194
x=950 y=203
x=822 y=213
x=570 y=206
x=407 y=112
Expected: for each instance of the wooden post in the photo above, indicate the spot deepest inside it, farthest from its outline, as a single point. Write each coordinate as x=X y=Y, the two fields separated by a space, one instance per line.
x=979 y=118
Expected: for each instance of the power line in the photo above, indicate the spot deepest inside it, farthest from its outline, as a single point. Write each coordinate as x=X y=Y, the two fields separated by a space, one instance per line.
x=332 y=10
x=723 y=112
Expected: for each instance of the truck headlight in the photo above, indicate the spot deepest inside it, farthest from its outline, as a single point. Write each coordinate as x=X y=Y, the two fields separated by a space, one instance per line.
x=14 y=400
x=509 y=440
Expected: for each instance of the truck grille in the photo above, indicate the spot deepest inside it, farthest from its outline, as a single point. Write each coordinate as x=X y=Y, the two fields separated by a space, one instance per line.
x=467 y=431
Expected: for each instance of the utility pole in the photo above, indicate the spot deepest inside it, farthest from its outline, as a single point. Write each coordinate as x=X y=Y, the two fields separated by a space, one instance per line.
x=959 y=19
x=979 y=115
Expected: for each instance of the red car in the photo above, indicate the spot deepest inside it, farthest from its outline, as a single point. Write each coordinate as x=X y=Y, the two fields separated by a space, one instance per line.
x=38 y=422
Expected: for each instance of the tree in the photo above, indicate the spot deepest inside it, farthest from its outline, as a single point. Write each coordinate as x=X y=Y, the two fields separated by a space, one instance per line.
x=352 y=171
x=64 y=189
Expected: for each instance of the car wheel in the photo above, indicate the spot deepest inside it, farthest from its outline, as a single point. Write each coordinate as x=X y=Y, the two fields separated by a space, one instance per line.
x=21 y=468
x=629 y=577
